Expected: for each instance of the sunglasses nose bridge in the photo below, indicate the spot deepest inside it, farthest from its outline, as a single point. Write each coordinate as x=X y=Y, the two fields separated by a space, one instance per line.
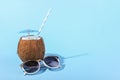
x=39 y=60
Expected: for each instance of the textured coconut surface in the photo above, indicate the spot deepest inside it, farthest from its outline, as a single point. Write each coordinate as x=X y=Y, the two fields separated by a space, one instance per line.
x=31 y=49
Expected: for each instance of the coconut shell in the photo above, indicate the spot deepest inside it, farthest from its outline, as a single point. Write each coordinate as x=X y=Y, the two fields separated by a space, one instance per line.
x=31 y=49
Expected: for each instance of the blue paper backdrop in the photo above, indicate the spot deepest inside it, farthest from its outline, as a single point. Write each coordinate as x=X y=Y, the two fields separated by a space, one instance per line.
x=74 y=27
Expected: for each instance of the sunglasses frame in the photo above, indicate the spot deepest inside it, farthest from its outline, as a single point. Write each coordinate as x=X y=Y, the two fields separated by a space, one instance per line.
x=25 y=72
x=39 y=63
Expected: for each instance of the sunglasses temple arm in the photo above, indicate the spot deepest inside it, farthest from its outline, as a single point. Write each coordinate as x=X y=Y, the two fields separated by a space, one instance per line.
x=25 y=73
x=21 y=65
x=75 y=56
x=60 y=66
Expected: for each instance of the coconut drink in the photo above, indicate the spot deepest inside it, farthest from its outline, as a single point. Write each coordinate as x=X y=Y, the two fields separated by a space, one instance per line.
x=31 y=47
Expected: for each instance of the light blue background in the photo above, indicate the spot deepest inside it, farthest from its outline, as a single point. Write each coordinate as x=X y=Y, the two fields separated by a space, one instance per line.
x=74 y=27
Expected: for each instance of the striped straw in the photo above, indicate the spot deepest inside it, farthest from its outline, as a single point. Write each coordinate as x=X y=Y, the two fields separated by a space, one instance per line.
x=44 y=21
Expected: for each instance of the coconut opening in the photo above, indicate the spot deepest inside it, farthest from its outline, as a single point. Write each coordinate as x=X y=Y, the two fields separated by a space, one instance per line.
x=31 y=37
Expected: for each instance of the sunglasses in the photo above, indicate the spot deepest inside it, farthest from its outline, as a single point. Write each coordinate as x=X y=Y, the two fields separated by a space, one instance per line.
x=32 y=67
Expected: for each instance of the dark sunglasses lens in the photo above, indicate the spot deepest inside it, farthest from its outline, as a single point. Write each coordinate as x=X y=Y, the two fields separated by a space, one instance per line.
x=31 y=66
x=51 y=61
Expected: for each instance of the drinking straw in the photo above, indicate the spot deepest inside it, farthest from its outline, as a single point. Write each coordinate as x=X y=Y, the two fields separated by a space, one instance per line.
x=44 y=21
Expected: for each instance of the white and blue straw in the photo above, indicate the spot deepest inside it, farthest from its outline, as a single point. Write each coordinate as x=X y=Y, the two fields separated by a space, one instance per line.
x=44 y=21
